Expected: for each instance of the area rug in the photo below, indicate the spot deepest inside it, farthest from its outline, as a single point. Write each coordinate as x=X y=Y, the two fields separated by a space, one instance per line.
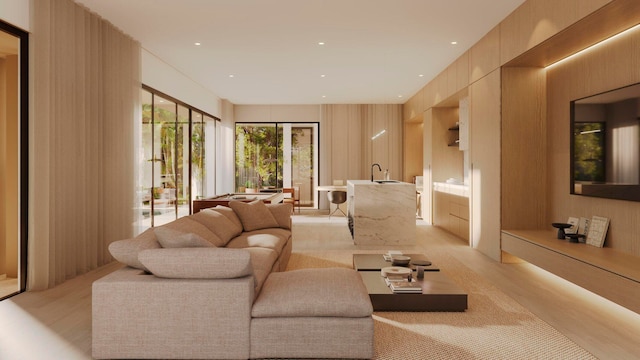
x=494 y=327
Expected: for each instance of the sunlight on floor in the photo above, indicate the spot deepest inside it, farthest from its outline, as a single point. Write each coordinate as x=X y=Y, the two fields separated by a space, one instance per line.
x=42 y=343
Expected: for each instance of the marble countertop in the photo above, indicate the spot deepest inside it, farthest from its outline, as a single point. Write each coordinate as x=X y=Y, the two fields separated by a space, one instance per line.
x=454 y=189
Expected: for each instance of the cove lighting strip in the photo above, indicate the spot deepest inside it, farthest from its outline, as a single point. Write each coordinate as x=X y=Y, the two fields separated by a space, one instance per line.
x=625 y=32
x=378 y=134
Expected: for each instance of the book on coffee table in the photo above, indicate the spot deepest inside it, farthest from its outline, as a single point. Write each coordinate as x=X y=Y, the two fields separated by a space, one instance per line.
x=406 y=287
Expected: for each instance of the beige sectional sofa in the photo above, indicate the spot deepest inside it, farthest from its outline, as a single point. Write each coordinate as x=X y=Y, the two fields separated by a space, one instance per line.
x=211 y=286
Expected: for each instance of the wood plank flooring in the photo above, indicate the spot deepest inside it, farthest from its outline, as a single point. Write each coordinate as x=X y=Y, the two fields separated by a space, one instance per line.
x=56 y=324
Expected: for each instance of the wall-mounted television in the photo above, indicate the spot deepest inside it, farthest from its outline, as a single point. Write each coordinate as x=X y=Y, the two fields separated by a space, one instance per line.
x=605 y=144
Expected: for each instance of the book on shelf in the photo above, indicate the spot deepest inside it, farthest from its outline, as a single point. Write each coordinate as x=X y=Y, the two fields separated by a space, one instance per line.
x=597 y=233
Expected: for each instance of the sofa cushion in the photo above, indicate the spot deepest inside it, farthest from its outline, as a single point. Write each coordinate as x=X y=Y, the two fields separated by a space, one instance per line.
x=262 y=261
x=197 y=263
x=337 y=292
x=187 y=225
x=231 y=215
x=282 y=214
x=126 y=251
x=254 y=215
x=218 y=223
x=170 y=238
x=273 y=238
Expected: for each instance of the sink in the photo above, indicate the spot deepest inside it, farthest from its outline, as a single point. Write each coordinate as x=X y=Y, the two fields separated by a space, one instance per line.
x=386 y=181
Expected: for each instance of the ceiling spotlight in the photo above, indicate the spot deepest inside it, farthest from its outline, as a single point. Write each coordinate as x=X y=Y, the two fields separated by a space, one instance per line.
x=232 y=76
x=323 y=75
x=321 y=43
x=454 y=43
x=197 y=44
x=399 y=96
x=421 y=75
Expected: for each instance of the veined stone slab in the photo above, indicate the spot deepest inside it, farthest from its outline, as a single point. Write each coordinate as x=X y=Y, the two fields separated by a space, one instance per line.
x=383 y=214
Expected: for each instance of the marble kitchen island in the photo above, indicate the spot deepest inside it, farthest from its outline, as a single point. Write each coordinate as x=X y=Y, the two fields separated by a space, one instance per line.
x=382 y=213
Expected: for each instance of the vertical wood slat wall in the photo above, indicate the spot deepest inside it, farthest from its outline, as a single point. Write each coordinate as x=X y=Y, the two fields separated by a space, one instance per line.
x=523 y=32
x=82 y=157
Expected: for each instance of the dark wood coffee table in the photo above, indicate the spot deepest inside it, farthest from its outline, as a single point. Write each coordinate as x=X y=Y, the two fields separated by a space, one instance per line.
x=439 y=293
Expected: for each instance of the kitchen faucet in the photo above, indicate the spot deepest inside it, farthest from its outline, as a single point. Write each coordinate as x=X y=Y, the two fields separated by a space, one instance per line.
x=379 y=169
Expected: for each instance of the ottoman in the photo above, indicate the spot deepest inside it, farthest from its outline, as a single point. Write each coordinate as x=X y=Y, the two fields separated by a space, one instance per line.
x=312 y=313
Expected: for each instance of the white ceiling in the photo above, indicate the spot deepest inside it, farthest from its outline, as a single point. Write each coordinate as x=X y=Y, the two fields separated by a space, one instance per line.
x=374 y=52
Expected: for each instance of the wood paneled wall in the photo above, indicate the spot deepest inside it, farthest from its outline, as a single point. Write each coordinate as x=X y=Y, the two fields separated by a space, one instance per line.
x=536 y=21
x=609 y=66
x=523 y=36
x=524 y=144
x=484 y=148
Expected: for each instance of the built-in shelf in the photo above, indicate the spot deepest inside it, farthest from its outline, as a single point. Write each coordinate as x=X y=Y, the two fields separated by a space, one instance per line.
x=456 y=142
x=612 y=274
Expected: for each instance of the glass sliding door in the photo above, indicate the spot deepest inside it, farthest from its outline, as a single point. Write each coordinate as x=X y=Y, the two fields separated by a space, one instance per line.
x=172 y=152
x=304 y=165
x=14 y=115
x=278 y=155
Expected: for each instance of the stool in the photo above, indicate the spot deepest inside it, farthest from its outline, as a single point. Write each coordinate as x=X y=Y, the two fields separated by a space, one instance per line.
x=312 y=313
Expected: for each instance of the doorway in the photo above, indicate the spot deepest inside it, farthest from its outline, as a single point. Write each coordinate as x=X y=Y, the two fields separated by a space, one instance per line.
x=276 y=156
x=13 y=159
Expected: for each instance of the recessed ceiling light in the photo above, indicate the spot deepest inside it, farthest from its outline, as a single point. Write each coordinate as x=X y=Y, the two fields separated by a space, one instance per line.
x=421 y=75
x=323 y=75
x=321 y=43
x=197 y=44
x=399 y=96
x=454 y=43
x=324 y=96
x=231 y=75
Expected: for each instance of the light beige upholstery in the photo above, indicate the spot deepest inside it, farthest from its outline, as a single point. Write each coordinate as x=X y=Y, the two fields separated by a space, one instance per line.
x=197 y=263
x=254 y=215
x=139 y=316
x=317 y=313
x=186 y=302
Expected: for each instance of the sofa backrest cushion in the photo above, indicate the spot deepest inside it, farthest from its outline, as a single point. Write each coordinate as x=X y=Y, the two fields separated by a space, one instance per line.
x=282 y=213
x=254 y=215
x=197 y=263
x=231 y=215
x=170 y=238
x=187 y=225
x=219 y=224
x=126 y=251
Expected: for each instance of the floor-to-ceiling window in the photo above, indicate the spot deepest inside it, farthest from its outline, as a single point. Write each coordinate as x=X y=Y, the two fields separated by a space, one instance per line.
x=173 y=160
x=13 y=159
x=278 y=155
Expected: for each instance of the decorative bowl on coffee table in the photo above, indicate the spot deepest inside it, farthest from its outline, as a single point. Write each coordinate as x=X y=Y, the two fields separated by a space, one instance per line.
x=400 y=260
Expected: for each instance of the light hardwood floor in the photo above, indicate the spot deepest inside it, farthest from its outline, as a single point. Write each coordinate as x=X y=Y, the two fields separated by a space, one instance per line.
x=56 y=324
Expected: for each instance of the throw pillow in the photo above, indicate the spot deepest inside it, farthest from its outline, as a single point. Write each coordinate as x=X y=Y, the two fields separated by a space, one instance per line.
x=282 y=213
x=126 y=251
x=187 y=225
x=185 y=263
x=254 y=215
x=231 y=215
x=218 y=223
x=169 y=238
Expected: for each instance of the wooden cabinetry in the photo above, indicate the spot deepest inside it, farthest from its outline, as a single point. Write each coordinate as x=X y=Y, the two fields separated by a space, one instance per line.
x=612 y=274
x=452 y=213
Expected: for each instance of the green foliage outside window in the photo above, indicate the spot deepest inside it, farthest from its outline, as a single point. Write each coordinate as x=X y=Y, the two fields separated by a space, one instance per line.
x=589 y=152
